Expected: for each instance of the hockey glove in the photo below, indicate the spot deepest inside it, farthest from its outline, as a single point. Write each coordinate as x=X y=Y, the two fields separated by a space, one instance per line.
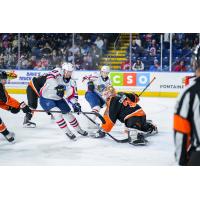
x=25 y=108
x=101 y=87
x=60 y=90
x=77 y=107
x=14 y=110
x=91 y=86
x=100 y=134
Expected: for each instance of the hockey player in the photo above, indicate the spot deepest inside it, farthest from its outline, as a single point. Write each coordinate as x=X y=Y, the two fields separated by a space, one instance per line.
x=96 y=85
x=52 y=98
x=124 y=107
x=10 y=104
x=33 y=93
x=187 y=122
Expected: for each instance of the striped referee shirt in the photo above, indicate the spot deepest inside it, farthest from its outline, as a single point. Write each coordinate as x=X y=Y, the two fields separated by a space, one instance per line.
x=187 y=122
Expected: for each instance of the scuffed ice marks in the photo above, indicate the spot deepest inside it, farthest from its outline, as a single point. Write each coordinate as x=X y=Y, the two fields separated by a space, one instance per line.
x=47 y=145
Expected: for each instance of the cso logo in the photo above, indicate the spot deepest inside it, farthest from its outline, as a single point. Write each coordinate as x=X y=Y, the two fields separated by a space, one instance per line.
x=129 y=79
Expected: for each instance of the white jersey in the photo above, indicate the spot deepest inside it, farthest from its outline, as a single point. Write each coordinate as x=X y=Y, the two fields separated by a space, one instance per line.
x=101 y=83
x=55 y=78
x=71 y=91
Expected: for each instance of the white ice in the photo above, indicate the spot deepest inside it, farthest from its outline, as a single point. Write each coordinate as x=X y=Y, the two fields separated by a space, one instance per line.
x=47 y=145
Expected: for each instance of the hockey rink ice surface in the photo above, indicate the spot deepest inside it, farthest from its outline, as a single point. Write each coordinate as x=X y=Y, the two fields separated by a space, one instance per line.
x=47 y=145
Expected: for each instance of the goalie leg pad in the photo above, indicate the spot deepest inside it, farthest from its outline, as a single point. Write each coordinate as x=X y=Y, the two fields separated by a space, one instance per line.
x=136 y=138
x=150 y=128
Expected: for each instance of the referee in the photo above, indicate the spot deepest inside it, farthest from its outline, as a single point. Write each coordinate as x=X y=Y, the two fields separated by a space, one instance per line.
x=187 y=124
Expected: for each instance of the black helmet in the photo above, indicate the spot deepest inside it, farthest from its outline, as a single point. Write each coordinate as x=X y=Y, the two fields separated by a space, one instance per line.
x=3 y=75
x=196 y=52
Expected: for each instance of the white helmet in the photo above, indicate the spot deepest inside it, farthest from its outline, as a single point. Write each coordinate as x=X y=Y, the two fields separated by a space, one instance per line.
x=106 y=69
x=67 y=66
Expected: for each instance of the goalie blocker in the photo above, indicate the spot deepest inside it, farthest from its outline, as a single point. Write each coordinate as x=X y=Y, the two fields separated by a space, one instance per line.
x=124 y=107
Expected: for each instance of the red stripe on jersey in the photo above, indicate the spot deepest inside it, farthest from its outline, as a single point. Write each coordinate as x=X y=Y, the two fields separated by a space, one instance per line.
x=72 y=95
x=49 y=77
x=42 y=89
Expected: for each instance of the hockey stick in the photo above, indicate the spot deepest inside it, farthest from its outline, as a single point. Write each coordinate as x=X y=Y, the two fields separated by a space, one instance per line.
x=147 y=86
x=115 y=139
x=89 y=113
x=98 y=126
x=126 y=139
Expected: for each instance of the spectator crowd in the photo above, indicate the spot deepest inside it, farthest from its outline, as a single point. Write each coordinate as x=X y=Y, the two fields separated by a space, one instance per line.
x=45 y=51
x=145 y=52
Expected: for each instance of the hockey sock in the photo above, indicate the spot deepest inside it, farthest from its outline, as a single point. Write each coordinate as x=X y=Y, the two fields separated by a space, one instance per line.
x=5 y=132
x=62 y=123
x=73 y=122
x=2 y=127
x=95 y=109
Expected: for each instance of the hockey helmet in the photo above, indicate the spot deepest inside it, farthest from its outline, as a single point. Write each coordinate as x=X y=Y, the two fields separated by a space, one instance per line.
x=105 y=70
x=108 y=92
x=68 y=66
x=3 y=75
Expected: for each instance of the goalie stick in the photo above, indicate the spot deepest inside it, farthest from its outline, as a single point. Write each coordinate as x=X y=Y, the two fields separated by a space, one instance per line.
x=126 y=139
x=98 y=126
x=147 y=86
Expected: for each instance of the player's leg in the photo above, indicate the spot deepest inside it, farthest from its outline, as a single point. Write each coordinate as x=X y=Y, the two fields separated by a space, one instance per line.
x=95 y=104
x=32 y=103
x=64 y=107
x=150 y=128
x=7 y=134
x=135 y=134
x=194 y=159
x=48 y=104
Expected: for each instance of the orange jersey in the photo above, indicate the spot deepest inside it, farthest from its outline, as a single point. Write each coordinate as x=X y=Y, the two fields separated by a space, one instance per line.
x=6 y=100
x=37 y=83
x=121 y=107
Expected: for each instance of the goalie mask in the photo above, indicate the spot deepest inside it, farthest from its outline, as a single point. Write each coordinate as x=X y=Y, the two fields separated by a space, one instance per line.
x=109 y=92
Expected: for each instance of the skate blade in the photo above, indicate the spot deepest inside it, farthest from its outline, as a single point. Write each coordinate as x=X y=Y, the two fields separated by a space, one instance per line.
x=151 y=134
x=140 y=144
x=29 y=125
x=13 y=142
x=75 y=139
x=71 y=139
